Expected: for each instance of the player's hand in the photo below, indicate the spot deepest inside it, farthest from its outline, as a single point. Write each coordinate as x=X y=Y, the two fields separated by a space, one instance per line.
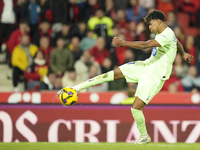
x=117 y=41
x=187 y=57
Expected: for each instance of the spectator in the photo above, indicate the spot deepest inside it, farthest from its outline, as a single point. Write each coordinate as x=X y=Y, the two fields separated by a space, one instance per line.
x=15 y=37
x=116 y=53
x=171 y=82
x=22 y=58
x=74 y=47
x=197 y=19
x=60 y=58
x=75 y=12
x=101 y=24
x=37 y=71
x=88 y=41
x=119 y=52
x=119 y=4
x=99 y=51
x=191 y=80
x=197 y=42
x=140 y=36
x=79 y=30
x=165 y=5
x=172 y=88
x=190 y=48
x=194 y=90
x=101 y=3
x=97 y=88
x=64 y=33
x=131 y=97
x=143 y=54
x=109 y=39
x=83 y=65
x=106 y=65
x=48 y=82
x=130 y=35
x=45 y=48
x=71 y=78
x=90 y=8
x=180 y=66
x=171 y=20
x=179 y=35
x=197 y=55
x=190 y=7
x=131 y=85
x=197 y=63
x=58 y=83
x=46 y=13
x=44 y=30
x=121 y=22
x=19 y=5
x=21 y=2
x=110 y=9
x=30 y=11
x=148 y=33
x=129 y=56
x=150 y=9
x=7 y=21
x=135 y=12
x=147 y=3
x=117 y=85
x=59 y=12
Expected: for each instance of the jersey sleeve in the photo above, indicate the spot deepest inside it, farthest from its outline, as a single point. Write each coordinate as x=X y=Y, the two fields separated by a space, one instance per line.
x=163 y=39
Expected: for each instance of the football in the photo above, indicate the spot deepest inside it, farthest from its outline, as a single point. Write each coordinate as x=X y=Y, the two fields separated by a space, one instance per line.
x=68 y=96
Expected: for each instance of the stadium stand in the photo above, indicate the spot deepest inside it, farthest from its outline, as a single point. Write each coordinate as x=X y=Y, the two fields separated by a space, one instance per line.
x=46 y=21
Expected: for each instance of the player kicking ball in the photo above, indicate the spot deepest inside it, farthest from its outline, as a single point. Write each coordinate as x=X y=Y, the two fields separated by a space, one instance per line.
x=149 y=74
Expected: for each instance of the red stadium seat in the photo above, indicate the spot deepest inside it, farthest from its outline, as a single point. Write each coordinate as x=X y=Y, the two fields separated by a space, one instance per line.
x=191 y=31
x=183 y=20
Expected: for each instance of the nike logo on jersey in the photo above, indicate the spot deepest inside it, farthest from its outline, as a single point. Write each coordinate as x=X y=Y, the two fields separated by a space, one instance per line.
x=147 y=98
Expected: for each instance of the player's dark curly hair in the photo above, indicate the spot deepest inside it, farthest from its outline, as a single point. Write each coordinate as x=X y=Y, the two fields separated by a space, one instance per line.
x=156 y=14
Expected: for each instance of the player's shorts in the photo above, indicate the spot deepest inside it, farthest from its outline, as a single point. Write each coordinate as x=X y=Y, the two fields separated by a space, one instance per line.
x=149 y=84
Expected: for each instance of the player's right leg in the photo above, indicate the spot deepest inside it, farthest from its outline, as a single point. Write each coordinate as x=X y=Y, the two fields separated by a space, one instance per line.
x=109 y=76
x=106 y=77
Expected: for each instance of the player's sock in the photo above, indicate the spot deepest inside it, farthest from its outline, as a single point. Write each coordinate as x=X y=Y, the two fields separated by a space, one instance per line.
x=109 y=76
x=140 y=121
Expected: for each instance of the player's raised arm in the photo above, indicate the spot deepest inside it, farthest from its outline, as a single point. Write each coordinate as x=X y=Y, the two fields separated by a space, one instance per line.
x=137 y=45
x=187 y=57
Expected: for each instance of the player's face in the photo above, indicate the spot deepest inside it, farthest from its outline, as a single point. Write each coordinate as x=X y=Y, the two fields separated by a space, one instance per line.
x=153 y=26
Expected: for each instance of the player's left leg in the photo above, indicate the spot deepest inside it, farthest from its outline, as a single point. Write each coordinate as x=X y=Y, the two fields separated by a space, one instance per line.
x=149 y=85
x=136 y=109
x=109 y=76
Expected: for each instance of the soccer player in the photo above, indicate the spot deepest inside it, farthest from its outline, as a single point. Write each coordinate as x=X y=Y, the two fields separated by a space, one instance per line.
x=149 y=74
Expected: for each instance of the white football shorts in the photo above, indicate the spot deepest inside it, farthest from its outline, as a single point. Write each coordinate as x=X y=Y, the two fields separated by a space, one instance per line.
x=149 y=84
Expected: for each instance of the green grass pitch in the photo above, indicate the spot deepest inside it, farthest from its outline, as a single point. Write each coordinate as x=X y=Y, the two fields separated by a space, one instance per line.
x=97 y=146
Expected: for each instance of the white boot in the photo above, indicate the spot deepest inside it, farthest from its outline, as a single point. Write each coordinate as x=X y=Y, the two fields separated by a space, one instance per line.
x=143 y=139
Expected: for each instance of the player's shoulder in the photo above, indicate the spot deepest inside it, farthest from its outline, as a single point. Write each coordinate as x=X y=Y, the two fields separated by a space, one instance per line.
x=167 y=33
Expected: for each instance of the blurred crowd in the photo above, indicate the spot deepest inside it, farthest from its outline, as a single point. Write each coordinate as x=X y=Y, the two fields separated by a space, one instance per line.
x=50 y=44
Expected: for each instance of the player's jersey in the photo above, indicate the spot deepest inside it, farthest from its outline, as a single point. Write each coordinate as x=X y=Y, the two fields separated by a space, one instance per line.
x=162 y=57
